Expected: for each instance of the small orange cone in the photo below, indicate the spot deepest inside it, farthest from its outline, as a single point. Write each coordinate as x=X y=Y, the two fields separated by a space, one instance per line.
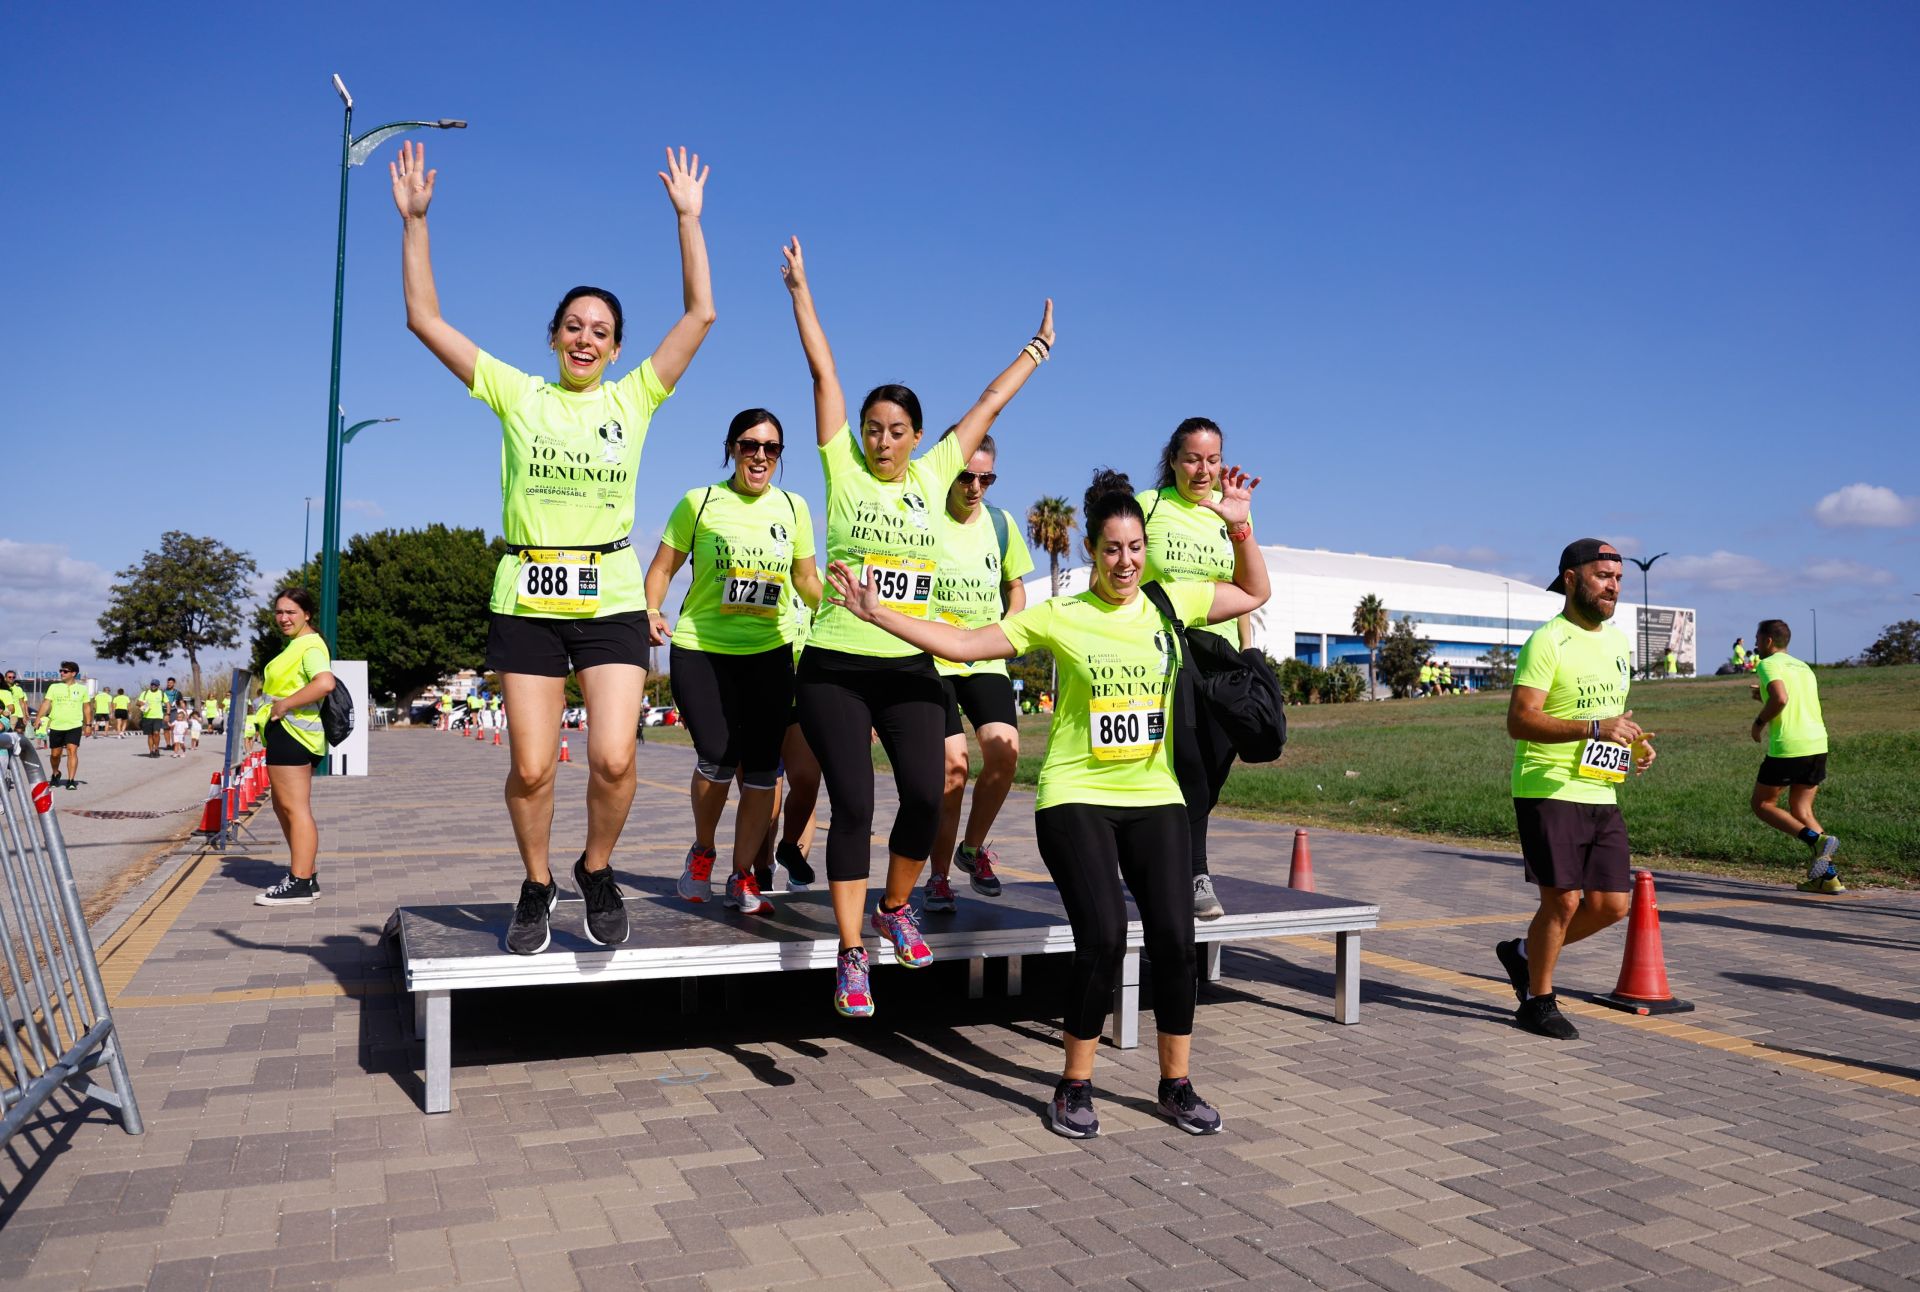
x=1642 y=988
x=210 y=814
x=1301 y=875
x=496 y=737
x=564 y=756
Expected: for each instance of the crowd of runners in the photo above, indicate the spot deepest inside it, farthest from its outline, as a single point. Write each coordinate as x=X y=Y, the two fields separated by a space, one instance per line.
x=73 y=709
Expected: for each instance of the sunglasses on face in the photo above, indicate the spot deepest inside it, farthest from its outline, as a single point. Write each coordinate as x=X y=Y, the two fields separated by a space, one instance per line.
x=769 y=449
x=984 y=478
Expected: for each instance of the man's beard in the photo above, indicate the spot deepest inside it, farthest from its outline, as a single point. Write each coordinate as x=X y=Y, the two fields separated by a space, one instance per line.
x=1590 y=608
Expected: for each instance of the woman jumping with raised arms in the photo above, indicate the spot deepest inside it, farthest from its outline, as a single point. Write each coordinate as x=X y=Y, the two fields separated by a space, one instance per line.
x=853 y=677
x=568 y=596
x=1109 y=805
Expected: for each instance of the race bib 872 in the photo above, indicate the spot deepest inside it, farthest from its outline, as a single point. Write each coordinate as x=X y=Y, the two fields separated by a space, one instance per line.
x=751 y=592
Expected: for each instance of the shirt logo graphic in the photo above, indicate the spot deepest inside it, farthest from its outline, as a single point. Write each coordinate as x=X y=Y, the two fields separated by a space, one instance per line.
x=916 y=509
x=616 y=443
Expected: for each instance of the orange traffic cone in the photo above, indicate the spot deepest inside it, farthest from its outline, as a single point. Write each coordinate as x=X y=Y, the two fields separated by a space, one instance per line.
x=210 y=814
x=564 y=756
x=1301 y=875
x=1642 y=988
x=496 y=737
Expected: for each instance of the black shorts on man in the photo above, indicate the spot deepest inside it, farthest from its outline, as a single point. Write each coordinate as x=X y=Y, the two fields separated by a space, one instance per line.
x=1577 y=846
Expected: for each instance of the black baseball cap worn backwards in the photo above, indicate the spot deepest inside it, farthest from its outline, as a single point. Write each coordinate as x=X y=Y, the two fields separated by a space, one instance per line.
x=1581 y=551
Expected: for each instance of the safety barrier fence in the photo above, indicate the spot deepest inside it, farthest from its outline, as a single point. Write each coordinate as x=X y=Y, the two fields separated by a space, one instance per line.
x=59 y=1030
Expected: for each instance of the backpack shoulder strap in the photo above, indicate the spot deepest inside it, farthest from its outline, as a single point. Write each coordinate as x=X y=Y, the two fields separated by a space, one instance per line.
x=1157 y=594
x=1158 y=494
x=693 y=541
x=1001 y=521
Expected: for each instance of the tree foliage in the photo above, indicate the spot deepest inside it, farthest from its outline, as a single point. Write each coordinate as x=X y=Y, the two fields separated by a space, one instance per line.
x=1898 y=644
x=1035 y=670
x=1050 y=525
x=1499 y=661
x=1304 y=683
x=1371 y=622
x=186 y=598
x=1401 y=654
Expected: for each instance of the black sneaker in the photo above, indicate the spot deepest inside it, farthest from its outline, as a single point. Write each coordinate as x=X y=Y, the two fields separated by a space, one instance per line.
x=532 y=929
x=1541 y=1015
x=290 y=892
x=1187 y=1110
x=606 y=913
x=795 y=863
x=1071 y=1112
x=1516 y=966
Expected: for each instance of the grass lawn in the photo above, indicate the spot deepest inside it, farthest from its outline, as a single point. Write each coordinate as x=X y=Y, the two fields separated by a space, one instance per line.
x=1440 y=767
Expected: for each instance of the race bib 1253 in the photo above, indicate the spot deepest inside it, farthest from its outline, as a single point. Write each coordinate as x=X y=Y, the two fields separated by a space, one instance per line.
x=1603 y=760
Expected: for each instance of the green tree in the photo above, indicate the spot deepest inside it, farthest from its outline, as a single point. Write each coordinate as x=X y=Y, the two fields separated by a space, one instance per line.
x=188 y=597
x=1400 y=656
x=1898 y=644
x=1050 y=525
x=1035 y=672
x=1371 y=623
x=1499 y=662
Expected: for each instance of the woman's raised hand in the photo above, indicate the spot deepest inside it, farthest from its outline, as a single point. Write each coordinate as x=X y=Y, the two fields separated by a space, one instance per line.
x=1046 y=324
x=794 y=271
x=412 y=181
x=686 y=182
x=1235 y=502
x=859 y=596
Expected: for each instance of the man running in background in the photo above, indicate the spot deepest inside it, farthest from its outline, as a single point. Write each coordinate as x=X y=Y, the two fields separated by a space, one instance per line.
x=66 y=710
x=1574 y=740
x=1796 y=735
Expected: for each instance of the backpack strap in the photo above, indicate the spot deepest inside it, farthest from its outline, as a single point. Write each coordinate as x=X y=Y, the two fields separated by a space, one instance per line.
x=693 y=541
x=1183 y=679
x=1158 y=494
x=1000 y=523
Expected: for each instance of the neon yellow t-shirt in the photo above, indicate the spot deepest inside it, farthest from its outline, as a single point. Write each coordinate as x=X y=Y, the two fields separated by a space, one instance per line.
x=209 y=709
x=568 y=465
x=303 y=659
x=1585 y=675
x=886 y=526
x=153 y=704
x=1112 y=734
x=966 y=588
x=1186 y=542
x=16 y=698
x=1797 y=730
x=69 y=700
x=741 y=549
x=121 y=703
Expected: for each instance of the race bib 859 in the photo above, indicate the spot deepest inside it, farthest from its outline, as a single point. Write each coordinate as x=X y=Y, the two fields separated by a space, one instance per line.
x=905 y=583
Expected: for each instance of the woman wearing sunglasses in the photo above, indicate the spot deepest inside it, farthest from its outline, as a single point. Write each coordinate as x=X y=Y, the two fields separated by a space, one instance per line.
x=751 y=545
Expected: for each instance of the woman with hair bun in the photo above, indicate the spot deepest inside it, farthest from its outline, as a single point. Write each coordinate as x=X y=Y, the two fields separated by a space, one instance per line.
x=1109 y=807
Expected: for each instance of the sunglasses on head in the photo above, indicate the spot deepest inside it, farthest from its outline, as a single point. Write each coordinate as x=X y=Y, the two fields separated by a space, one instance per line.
x=984 y=478
x=769 y=449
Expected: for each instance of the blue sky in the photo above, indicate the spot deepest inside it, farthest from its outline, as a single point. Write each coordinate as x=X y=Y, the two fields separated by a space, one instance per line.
x=1460 y=281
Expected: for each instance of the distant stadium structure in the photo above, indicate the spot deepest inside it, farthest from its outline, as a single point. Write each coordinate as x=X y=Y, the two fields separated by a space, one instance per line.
x=1464 y=613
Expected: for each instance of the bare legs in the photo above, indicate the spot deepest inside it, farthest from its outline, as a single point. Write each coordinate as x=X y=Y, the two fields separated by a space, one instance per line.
x=292 y=801
x=1566 y=915
x=533 y=706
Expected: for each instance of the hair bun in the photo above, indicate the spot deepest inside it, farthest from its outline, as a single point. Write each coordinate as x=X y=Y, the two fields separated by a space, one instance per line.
x=1106 y=481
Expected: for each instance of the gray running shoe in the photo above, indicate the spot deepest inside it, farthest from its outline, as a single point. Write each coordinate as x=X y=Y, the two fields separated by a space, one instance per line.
x=978 y=863
x=1516 y=966
x=532 y=927
x=606 y=912
x=1541 y=1015
x=1824 y=849
x=1071 y=1112
x=1206 y=905
x=696 y=881
x=1186 y=1109
x=939 y=895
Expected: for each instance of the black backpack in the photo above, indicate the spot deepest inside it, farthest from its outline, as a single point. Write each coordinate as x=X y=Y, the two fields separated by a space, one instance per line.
x=1238 y=687
x=336 y=713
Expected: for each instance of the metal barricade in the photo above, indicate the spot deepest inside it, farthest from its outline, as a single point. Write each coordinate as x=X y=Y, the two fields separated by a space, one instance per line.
x=58 y=1027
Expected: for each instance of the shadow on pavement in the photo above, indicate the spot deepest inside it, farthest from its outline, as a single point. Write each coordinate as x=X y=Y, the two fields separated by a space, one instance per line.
x=1777 y=929
x=1901 y=1009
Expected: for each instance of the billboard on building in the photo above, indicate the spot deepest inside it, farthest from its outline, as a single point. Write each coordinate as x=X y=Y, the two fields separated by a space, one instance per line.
x=1660 y=628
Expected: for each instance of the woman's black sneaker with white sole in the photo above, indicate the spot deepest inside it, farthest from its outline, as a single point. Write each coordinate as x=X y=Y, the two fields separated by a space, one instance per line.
x=1541 y=1015
x=290 y=892
x=1186 y=1109
x=532 y=927
x=794 y=862
x=606 y=912
x=1071 y=1112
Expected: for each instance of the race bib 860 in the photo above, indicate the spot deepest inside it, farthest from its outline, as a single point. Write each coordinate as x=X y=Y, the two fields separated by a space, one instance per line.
x=1125 y=729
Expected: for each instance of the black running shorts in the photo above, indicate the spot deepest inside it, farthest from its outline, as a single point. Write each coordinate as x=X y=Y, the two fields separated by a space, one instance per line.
x=1575 y=845
x=1808 y=769
x=557 y=647
x=983 y=697
x=151 y=726
x=61 y=739
x=285 y=750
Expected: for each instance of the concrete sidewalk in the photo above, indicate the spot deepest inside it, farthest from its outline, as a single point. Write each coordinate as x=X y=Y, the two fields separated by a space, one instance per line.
x=600 y=1139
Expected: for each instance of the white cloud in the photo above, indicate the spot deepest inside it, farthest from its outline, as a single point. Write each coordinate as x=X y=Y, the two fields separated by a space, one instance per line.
x=1847 y=572
x=373 y=511
x=1724 y=571
x=1865 y=506
x=1472 y=557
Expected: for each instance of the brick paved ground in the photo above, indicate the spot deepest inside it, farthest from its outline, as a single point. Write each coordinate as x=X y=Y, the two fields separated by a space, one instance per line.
x=602 y=1140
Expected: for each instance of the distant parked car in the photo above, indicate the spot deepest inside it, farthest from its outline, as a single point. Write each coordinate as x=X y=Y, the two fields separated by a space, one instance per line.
x=575 y=718
x=663 y=716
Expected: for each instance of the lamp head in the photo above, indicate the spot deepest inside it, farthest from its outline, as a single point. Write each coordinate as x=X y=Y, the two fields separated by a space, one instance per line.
x=340 y=88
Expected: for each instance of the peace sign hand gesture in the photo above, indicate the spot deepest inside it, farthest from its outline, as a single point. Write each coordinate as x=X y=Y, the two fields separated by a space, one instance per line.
x=686 y=183
x=794 y=271
x=1235 y=502
x=412 y=181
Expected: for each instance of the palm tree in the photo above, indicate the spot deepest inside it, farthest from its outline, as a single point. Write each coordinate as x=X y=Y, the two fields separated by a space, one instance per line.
x=1370 y=622
x=1050 y=525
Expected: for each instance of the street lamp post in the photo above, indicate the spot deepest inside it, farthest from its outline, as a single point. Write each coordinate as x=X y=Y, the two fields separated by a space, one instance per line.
x=306 y=542
x=40 y=686
x=1815 y=612
x=1645 y=614
x=353 y=151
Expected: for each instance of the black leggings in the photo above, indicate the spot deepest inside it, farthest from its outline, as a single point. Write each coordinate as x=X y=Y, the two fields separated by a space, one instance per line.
x=841 y=698
x=1088 y=849
x=735 y=707
x=1202 y=757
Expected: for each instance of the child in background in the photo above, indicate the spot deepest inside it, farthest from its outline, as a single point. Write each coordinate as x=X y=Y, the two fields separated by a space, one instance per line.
x=179 y=732
x=194 y=728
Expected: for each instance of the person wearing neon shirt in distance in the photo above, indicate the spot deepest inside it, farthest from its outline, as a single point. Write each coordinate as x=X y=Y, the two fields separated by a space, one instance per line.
x=855 y=679
x=66 y=717
x=751 y=547
x=1109 y=807
x=293 y=684
x=1795 y=733
x=568 y=596
x=153 y=709
x=120 y=706
x=1185 y=540
x=975 y=587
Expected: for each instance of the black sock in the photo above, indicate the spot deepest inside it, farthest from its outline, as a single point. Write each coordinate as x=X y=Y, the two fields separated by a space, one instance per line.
x=1809 y=835
x=889 y=910
x=1169 y=1084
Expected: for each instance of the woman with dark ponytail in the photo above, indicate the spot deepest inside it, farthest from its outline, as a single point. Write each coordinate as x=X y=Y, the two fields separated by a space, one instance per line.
x=1109 y=807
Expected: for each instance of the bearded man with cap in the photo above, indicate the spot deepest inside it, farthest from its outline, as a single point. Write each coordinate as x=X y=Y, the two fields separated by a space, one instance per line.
x=1574 y=741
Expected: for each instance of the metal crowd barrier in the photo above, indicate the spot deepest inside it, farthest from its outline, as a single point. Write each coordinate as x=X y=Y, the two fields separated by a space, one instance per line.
x=58 y=1027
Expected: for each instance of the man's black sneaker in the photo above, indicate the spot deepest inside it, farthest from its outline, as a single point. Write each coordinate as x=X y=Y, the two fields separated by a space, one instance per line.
x=532 y=929
x=1516 y=966
x=1541 y=1015
x=606 y=913
x=1184 y=1106
x=794 y=862
x=1071 y=1112
x=290 y=892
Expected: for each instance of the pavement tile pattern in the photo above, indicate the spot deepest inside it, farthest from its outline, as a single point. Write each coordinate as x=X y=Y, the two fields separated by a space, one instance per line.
x=601 y=1138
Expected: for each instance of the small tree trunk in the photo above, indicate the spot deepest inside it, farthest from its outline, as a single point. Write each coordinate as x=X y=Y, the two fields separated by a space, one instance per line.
x=193 y=662
x=1053 y=570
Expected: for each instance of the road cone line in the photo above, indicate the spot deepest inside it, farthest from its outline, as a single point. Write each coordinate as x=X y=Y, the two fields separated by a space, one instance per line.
x=1300 y=875
x=1643 y=988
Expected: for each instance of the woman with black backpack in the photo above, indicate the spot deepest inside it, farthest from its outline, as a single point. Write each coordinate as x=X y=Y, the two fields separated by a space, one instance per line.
x=295 y=682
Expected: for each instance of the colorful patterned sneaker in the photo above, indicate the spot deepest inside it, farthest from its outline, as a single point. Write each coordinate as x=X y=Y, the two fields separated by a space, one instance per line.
x=799 y=873
x=1541 y=1015
x=532 y=927
x=939 y=899
x=979 y=863
x=1071 y=1112
x=1516 y=966
x=696 y=881
x=1206 y=903
x=852 y=997
x=743 y=895
x=1186 y=1109
x=291 y=892
x=1829 y=885
x=1824 y=849
x=904 y=931
x=606 y=913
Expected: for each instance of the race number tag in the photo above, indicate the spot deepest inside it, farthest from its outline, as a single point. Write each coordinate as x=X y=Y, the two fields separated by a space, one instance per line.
x=751 y=592
x=556 y=581
x=1603 y=760
x=1125 y=729
x=905 y=583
